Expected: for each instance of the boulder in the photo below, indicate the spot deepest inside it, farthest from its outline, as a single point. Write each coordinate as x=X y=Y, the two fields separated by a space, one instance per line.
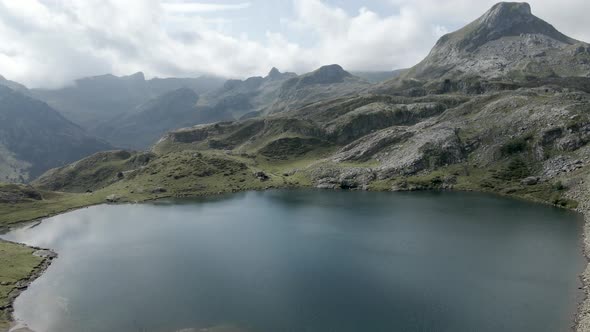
x=159 y=190
x=530 y=181
x=260 y=175
x=113 y=198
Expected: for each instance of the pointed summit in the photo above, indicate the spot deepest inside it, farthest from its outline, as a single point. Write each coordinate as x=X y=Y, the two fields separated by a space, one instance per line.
x=139 y=76
x=326 y=75
x=508 y=10
x=274 y=74
x=507 y=40
x=504 y=19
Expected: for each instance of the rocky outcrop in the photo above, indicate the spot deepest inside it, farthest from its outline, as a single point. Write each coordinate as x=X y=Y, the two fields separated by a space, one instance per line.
x=330 y=177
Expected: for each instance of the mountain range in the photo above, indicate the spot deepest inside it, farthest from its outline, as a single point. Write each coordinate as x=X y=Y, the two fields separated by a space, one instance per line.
x=480 y=112
x=132 y=112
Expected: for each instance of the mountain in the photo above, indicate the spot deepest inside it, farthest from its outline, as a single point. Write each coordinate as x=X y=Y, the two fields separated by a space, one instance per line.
x=277 y=92
x=249 y=97
x=14 y=85
x=143 y=126
x=34 y=138
x=91 y=102
x=327 y=82
x=507 y=42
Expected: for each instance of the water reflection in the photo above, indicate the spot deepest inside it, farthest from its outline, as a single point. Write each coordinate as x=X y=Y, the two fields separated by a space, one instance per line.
x=308 y=261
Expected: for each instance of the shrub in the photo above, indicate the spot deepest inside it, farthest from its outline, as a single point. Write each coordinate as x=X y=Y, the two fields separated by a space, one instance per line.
x=516 y=169
x=514 y=146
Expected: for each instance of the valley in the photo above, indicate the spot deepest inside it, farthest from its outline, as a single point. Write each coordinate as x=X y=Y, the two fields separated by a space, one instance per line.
x=501 y=106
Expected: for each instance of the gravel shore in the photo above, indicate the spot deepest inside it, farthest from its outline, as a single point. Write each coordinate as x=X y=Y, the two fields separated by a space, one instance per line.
x=581 y=193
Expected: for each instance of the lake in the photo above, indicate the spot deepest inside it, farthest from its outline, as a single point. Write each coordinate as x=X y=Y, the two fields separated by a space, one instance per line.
x=308 y=261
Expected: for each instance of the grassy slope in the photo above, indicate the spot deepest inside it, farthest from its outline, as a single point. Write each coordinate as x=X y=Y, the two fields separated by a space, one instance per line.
x=16 y=264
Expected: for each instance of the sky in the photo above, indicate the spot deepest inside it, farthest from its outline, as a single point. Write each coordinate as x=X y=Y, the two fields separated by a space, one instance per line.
x=50 y=43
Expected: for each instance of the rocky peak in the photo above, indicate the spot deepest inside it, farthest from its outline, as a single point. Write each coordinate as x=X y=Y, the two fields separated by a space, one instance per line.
x=507 y=12
x=139 y=76
x=503 y=39
x=326 y=75
x=274 y=74
x=504 y=19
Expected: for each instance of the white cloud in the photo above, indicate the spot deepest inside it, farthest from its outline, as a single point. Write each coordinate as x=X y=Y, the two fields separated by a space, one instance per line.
x=201 y=7
x=50 y=43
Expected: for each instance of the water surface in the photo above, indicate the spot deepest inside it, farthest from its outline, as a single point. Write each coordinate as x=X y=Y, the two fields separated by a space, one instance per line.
x=309 y=261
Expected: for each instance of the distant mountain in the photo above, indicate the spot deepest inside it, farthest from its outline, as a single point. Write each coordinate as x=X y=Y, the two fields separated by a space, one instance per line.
x=14 y=85
x=34 y=138
x=277 y=92
x=249 y=97
x=143 y=126
x=507 y=42
x=324 y=83
x=93 y=101
x=132 y=112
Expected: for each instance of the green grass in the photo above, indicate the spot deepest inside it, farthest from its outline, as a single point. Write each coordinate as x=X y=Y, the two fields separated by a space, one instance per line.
x=53 y=203
x=16 y=263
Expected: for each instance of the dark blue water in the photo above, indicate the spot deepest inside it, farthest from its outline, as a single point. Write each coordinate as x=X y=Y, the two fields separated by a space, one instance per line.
x=309 y=261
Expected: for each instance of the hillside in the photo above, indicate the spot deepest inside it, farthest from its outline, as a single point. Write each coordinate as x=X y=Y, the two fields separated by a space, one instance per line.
x=35 y=138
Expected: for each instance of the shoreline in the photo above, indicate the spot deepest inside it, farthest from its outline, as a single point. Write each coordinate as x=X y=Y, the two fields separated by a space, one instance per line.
x=581 y=317
x=23 y=284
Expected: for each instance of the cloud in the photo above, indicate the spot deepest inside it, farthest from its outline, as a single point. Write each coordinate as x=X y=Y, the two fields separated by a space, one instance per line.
x=201 y=7
x=50 y=43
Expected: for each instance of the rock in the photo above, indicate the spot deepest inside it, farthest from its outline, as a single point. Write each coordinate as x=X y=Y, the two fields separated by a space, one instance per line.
x=45 y=254
x=530 y=181
x=113 y=198
x=260 y=175
x=159 y=190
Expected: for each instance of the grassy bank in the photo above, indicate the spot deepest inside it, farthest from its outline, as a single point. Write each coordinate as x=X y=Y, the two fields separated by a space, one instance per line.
x=17 y=266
